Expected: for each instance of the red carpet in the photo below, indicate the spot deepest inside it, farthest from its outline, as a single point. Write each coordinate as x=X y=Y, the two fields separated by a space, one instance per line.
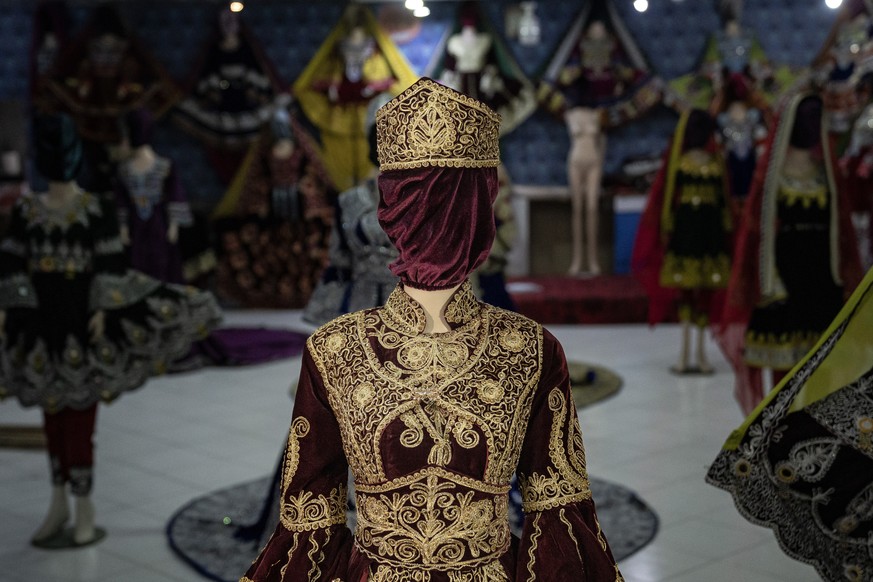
x=561 y=299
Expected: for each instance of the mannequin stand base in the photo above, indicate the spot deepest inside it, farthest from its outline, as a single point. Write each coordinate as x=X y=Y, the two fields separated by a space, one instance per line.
x=691 y=371
x=63 y=540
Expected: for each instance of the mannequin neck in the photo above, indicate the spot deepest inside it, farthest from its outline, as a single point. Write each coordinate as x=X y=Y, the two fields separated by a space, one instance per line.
x=142 y=158
x=433 y=303
x=59 y=194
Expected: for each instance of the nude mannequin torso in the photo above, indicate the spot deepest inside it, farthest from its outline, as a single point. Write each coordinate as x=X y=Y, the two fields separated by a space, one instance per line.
x=584 y=170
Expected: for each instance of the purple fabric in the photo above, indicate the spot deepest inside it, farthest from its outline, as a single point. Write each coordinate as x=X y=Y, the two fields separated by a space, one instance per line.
x=244 y=346
x=150 y=251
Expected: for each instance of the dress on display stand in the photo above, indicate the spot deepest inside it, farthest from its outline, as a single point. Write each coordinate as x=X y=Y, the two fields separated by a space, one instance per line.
x=100 y=77
x=434 y=425
x=357 y=276
x=599 y=65
x=802 y=462
x=682 y=253
x=232 y=93
x=274 y=222
x=58 y=267
x=795 y=257
x=356 y=62
x=148 y=202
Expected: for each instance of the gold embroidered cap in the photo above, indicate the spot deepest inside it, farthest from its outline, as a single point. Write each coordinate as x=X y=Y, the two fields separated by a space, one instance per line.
x=430 y=124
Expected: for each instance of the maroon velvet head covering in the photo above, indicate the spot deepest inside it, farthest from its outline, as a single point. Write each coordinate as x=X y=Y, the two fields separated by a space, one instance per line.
x=441 y=220
x=438 y=153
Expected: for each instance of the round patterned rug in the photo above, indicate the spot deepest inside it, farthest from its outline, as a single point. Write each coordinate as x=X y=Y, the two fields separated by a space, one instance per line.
x=210 y=532
x=592 y=383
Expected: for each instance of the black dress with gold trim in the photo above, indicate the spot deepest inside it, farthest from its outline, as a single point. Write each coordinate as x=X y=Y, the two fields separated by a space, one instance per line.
x=698 y=248
x=433 y=426
x=782 y=331
x=57 y=269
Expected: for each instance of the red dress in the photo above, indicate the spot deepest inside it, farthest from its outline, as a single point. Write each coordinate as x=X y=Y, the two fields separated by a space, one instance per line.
x=433 y=426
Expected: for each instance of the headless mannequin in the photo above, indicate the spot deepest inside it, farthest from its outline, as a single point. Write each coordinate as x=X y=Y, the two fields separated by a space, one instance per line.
x=60 y=196
x=433 y=303
x=585 y=170
x=141 y=160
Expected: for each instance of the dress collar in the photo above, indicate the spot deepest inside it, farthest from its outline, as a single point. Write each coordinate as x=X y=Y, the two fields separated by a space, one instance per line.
x=409 y=315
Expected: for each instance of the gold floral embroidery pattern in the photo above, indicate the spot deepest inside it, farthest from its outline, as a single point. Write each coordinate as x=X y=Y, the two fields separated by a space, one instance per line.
x=432 y=125
x=363 y=393
x=567 y=480
x=438 y=472
x=440 y=427
x=389 y=574
x=299 y=429
x=532 y=550
x=512 y=340
x=492 y=572
x=306 y=511
x=432 y=526
x=424 y=381
x=490 y=391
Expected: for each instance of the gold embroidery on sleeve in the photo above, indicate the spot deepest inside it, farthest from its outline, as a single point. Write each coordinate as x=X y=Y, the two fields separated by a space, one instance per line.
x=563 y=517
x=294 y=541
x=532 y=550
x=299 y=429
x=600 y=538
x=315 y=571
x=567 y=481
x=306 y=511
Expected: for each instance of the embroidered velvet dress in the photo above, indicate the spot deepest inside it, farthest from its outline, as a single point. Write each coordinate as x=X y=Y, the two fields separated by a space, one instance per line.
x=433 y=426
x=57 y=267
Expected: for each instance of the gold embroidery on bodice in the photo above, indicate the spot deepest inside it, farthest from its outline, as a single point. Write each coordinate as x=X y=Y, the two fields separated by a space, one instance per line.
x=470 y=387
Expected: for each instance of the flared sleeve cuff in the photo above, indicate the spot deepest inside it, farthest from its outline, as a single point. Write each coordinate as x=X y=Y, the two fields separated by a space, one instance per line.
x=111 y=291
x=311 y=542
x=566 y=543
x=17 y=291
x=316 y=555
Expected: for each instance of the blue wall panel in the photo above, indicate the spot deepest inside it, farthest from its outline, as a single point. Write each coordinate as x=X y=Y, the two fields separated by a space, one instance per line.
x=672 y=35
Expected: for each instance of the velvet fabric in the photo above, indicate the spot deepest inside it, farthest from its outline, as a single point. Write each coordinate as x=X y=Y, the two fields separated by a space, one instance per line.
x=562 y=542
x=441 y=220
x=69 y=438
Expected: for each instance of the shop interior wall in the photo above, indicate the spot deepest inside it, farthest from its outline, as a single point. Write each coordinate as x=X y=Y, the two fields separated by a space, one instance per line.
x=672 y=35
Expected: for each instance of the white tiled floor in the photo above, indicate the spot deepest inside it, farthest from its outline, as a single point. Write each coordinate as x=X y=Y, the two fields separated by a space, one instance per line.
x=182 y=436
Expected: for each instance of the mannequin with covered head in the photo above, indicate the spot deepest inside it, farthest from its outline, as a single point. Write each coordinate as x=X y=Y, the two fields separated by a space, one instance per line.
x=434 y=400
x=426 y=186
